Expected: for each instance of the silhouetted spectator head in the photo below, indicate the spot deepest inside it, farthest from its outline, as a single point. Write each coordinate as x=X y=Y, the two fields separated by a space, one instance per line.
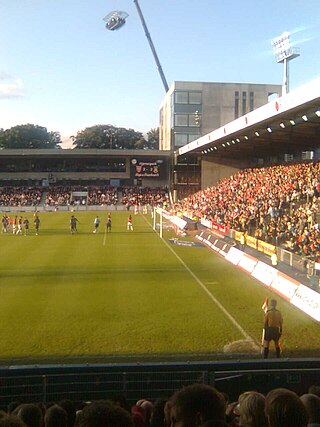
x=70 y=409
x=104 y=414
x=12 y=406
x=251 y=409
x=55 y=416
x=167 y=413
x=314 y=389
x=195 y=404
x=157 y=417
x=120 y=400
x=30 y=414
x=226 y=398
x=312 y=404
x=285 y=409
x=147 y=406
x=138 y=416
x=11 y=421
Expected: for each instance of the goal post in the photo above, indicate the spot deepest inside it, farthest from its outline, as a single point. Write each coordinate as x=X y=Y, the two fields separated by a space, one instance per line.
x=158 y=211
x=176 y=223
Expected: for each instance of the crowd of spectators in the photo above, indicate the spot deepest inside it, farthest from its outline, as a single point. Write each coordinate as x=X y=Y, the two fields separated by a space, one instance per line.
x=91 y=195
x=102 y=196
x=277 y=204
x=196 y=405
x=64 y=195
x=58 y=196
x=145 y=196
x=106 y=195
x=21 y=196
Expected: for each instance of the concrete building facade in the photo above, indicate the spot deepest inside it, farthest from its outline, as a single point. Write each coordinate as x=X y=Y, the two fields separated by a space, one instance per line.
x=193 y=109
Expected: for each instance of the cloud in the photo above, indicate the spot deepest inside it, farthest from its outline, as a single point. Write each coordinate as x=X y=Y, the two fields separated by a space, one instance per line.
x=10 y=87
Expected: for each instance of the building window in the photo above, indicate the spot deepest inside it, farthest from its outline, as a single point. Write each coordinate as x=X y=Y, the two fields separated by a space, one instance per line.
x=194 y=120
x=236 y=104
x=181 y=120
x=181 y=97
x=195 y=98
x=251 y=101
x=244 y=103
x=180 y=139
x=192 y=98
x=193 y=137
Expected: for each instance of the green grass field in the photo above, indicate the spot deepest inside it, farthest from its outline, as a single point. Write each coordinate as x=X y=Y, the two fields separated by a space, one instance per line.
x=129 y=296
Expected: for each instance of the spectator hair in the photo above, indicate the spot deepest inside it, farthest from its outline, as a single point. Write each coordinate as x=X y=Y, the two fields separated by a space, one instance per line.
x=285 y=409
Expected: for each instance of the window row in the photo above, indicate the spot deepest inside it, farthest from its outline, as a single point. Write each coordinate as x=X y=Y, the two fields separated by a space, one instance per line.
x=181 y=139
x=191 y=120
x=185 y=97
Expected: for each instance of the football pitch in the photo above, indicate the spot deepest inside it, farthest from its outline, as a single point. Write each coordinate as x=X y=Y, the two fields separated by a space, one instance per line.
x=130 y=296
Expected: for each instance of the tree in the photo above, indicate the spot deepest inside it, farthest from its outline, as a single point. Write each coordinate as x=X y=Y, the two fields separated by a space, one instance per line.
x=29 y=136
x=153 y=139
x=107 y=137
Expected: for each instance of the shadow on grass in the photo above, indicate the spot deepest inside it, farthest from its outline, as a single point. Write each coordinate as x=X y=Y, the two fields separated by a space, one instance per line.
x=54 y=232
x=48 y=272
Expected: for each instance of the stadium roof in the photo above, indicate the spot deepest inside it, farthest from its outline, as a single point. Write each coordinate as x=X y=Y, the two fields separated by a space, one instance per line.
x=286 y=124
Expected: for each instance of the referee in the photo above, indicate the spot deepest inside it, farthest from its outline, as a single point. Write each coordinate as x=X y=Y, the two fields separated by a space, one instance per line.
x=272 y=328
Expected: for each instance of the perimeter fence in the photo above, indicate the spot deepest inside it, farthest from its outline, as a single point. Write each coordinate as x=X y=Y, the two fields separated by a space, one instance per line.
x=151 y=381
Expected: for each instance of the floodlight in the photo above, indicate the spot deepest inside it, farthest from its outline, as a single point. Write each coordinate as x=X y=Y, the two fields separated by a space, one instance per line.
x=246 y=137
x=238 y=140
x=305 y=117
x=317 y=113
x=282 y=125
x=284 y=52
x=215 y=148
x=292 y=122
x=223 y=145
x=269 y=130
x=257 y=133
x=115 y=20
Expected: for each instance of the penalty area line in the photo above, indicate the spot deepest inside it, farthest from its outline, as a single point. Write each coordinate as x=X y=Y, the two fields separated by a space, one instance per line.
x=206 y=290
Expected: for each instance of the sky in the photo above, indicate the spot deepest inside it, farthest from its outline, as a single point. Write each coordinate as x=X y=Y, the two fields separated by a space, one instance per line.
x=62 y=69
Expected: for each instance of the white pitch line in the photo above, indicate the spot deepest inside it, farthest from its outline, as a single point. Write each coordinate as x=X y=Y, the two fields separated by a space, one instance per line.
x=206 y=290
x=104 y=238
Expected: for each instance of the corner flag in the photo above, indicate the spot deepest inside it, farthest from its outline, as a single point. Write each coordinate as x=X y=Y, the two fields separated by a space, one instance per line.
x=265 y=305
x=265 y=309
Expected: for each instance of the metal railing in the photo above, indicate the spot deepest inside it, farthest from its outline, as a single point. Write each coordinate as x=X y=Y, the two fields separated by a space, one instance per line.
x=152 y=381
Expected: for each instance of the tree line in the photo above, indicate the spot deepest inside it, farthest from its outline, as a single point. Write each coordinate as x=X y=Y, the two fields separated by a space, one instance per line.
x=97 y=137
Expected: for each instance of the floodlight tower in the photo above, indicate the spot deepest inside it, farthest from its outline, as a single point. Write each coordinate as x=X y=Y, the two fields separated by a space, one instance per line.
x=284 y=52
x=164 y=81
x=117 y=18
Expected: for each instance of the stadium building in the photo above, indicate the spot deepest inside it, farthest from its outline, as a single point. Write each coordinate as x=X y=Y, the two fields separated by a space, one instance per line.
x=193 y=109
x=36 y=167
x=283 y=130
